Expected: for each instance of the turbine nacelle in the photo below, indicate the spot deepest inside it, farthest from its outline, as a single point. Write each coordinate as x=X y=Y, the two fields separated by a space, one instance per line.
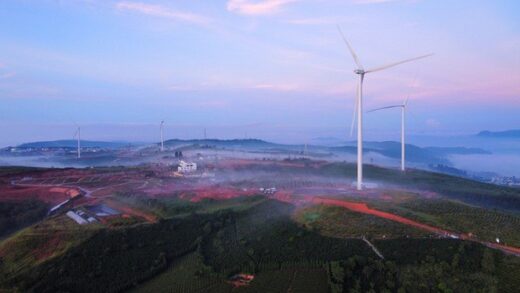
x=359 y=71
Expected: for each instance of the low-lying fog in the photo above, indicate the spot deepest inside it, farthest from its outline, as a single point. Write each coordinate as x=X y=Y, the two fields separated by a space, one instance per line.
x=504 y=159
x=502 y=164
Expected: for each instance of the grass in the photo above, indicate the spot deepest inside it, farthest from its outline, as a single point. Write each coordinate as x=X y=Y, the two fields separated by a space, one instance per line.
x=39 y=243
x=237 y=204
x=169 y=207
x=162 y=207
x=341 y=223
x=18 y=214
x=187 y=274
x=290 y=279
x=484 y=224
x=508 y=270
x=472 y=192
x=248 y=234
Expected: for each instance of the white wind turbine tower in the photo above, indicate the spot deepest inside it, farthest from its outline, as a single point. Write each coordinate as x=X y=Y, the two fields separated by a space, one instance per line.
x=403 y=107
x=77 y=135
x=359 y=103
x=162 y=137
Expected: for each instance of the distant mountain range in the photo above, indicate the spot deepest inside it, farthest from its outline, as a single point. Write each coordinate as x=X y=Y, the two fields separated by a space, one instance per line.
x=514 y=133
x=425 y=155
x=457 y=151
x=70 y=143
x=251 y=143
x=328 y=141
x=391 y=149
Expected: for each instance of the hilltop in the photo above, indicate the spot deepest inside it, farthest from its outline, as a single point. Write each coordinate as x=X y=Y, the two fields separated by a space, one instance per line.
x=72 y=143
x=152 y=231
x=514 y=133
x=252 y=142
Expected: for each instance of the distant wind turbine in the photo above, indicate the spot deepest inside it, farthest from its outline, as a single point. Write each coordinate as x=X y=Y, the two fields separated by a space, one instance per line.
x=162 y=137
x=359 y=103
x=77 y=135
x=403 y=107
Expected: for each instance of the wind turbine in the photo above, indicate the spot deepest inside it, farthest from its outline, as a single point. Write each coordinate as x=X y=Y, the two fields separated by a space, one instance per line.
x=359 y=103
x=77 y=135
x=162 y=137
x=403 y=107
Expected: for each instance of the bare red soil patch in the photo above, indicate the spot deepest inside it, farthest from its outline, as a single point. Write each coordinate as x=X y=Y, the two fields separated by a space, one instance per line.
x=363 y=208
x=509 y=249
x=71 y=192
x=43 y=193
x=131 y=211
x=241 y=280
x=216 y=193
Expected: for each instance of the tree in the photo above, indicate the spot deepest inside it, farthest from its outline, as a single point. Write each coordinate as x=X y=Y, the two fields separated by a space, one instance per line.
x=488 y=261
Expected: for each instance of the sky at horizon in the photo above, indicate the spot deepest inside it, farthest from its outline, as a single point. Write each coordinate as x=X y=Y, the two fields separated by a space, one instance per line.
x=272 y=69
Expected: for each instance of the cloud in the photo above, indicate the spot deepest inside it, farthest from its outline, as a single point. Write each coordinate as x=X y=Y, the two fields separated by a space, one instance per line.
x=313 y=21
x=7 y=75
x=264 y=7
x=379 y=1
x=180 y=88
x=277 y=87
x=212 y=104
x=162 y=11
x=433 y=123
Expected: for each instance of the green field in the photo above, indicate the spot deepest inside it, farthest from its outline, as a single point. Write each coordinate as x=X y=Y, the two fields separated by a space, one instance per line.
x=19 y=214
x=198 y=246
x=40 y=243
x=199 y=252
x=186 y=274
x=170 y=207
x=483 y=224
x=339 y=222
x=471 y=192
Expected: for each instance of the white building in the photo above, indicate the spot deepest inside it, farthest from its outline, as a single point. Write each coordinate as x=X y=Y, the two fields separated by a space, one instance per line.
x=79 y=219
x=186 y=167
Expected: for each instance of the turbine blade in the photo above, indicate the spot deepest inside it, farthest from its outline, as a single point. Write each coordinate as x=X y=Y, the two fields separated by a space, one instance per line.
x=354 y=115
x=387 y=107
x=410 y=91
x=356 y=59
x=412 y=115
x=396 y=63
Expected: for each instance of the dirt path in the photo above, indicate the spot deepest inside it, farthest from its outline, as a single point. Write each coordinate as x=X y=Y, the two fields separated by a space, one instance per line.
x=363 y=208
x=376 y=251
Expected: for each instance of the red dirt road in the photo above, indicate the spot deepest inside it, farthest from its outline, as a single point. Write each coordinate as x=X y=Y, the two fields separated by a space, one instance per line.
x=363 y=208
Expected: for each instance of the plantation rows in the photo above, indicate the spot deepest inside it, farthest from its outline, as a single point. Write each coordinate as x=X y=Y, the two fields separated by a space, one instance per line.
x=482 y=223
x=199 y=252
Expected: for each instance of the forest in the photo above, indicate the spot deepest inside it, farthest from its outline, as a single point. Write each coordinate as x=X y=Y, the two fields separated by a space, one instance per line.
x=264 y=241
x=17 y=214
